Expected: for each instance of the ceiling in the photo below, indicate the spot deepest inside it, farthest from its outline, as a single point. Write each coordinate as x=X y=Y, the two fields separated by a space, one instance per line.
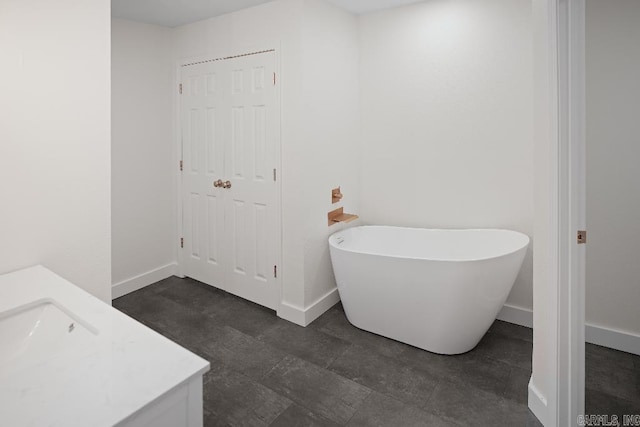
x=171 y=13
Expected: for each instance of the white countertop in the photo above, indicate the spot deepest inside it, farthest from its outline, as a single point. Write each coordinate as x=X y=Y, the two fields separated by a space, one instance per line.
x=125 y=366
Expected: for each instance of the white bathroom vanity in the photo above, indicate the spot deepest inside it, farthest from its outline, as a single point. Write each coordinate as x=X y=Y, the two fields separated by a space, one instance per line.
x=68 y=359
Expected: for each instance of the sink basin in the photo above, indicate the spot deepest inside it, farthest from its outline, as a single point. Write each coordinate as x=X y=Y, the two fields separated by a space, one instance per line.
x=40 y=331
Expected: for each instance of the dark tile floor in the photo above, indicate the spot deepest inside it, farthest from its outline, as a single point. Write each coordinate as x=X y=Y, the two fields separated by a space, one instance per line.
x=267 y=371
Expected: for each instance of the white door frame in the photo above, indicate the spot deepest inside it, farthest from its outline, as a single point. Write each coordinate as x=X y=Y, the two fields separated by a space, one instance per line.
x=572 y=212
x=232 y=52
x=565 y=334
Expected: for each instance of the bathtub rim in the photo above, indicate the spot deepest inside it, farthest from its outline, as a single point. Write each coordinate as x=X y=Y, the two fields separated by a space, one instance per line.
x=332 y=243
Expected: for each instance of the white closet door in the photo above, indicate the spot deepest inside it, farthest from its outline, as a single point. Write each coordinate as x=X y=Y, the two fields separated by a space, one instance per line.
x=252 y=218
x=230 y=131
x=202 y=110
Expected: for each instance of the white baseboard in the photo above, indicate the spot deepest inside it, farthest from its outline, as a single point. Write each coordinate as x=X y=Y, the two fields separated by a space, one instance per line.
x=140 y=281
x=292 y=313
x=537 y=403
x=518 y=315
x=594 y=334
x=304 y=316
x=321 y=305
x=612 y=338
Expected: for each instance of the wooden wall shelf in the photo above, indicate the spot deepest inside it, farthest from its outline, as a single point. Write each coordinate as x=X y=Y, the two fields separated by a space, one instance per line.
x=338 y=215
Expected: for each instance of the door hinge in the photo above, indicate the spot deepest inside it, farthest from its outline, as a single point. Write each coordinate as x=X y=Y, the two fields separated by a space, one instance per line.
x=180 y=165
x=182 y=242
x=274 y=79
x=582 y=237
x=275 y=271
x=274 y=174
x=180 y=88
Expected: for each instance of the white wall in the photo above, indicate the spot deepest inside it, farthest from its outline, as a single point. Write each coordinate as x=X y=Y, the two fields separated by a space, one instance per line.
x=446 y=98
x=332 y=146
x=55 y=133
x=143 y=211
x=613 y=150
x=479 y=120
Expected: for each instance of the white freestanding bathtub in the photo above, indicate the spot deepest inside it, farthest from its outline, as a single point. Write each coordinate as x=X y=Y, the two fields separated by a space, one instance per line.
x=439 y=290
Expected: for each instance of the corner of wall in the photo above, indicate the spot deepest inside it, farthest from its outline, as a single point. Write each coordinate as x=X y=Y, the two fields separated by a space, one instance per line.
x=142 y=280
x=143 y=232
x=304 y=316
x=329 y=62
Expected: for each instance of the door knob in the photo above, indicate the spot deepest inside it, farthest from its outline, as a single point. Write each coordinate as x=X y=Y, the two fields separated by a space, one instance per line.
x=218 y=183
x=226 y=184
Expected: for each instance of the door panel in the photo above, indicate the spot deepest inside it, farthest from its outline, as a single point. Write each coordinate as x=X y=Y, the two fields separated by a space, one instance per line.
x=231 y=132
x=237 y=141
x=213 y=235
x=254 y=196
x=203 y=157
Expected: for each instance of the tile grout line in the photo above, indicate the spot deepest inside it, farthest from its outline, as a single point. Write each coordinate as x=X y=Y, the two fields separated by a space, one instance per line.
x=371 y=391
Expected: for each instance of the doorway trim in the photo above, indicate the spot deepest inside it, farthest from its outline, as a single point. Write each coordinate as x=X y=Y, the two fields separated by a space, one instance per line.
x=572 y=210
x=230 y=53
x=556 y=390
